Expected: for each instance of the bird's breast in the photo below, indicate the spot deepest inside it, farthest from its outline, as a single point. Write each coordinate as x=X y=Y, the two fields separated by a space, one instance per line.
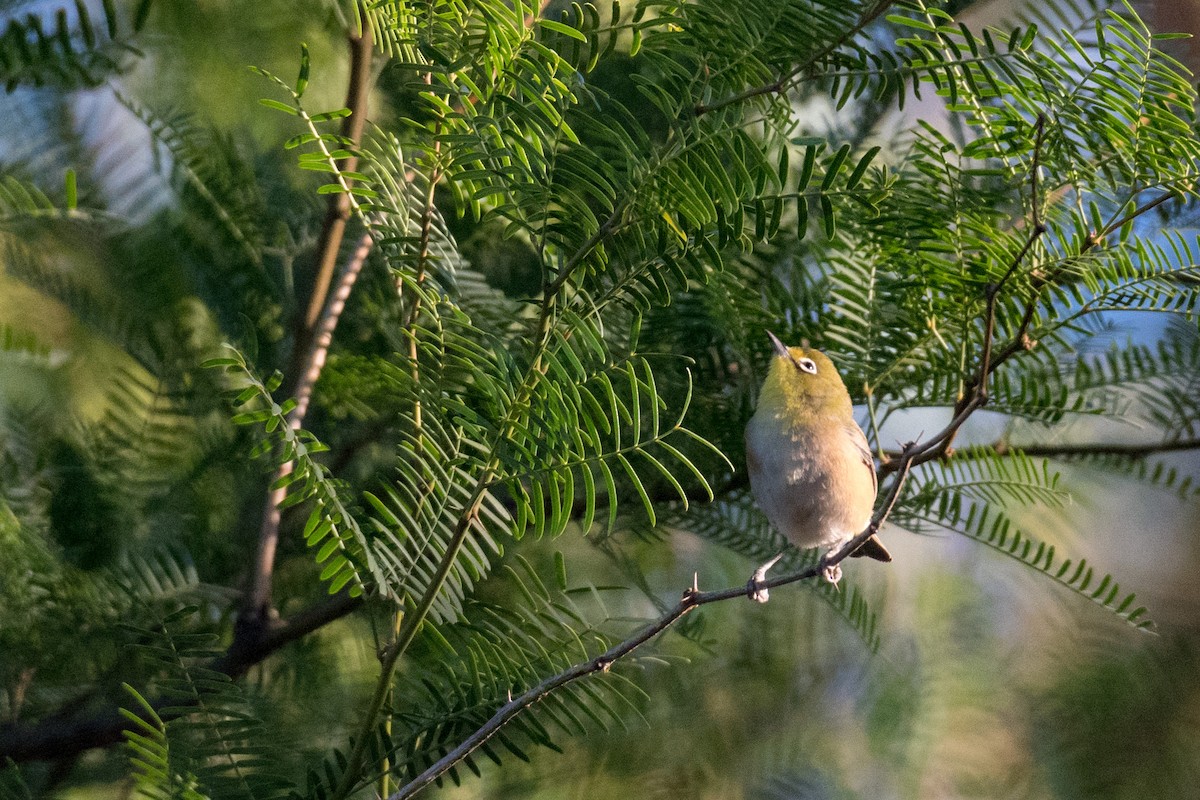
x=810 y=481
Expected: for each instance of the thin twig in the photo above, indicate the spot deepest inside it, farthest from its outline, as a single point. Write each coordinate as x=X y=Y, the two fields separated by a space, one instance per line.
x=1036 y=229
x=1130 y=450
x=1022 y=340
x=605 y=230
x=1080 y=449
x=1132 y=215
x=692 y=599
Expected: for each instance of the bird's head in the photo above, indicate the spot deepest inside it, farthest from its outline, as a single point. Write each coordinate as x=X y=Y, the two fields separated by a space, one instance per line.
x=803 y=383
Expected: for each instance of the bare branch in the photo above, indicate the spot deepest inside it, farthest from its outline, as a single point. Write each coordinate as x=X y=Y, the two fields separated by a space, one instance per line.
x=1097 y=448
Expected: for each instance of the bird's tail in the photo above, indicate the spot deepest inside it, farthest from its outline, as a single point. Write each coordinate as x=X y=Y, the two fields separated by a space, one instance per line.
x=873 y=548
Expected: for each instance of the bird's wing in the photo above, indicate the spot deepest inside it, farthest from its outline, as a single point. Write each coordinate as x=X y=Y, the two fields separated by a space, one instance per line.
x=872 y=548
x=864 y=449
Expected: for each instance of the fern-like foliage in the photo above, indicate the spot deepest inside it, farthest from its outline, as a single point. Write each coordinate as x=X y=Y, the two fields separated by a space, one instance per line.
x=342 y=548
x=213 y=744
x=150 y=755
x=12 y=785
x=669 y=178
x=207 y=172
x=20 y=202
x=416 y=513
x=142 y=442
x=465 y=672
x=75 y=50
x=934 y=505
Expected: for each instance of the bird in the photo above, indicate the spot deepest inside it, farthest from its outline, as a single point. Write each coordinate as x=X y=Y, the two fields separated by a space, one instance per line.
x=809 y=463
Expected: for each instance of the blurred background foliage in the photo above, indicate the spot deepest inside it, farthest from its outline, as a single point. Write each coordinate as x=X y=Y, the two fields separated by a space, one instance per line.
x=149 y=213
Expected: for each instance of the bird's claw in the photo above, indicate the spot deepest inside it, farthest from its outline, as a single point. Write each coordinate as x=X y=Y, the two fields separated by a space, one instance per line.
x=754 y=588
x=832 y=573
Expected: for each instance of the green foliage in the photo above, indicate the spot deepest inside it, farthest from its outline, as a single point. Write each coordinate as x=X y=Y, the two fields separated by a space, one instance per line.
x=969 y=496
x=580 y=222
x=213 y=745
x=343 y=552
x=208 y=172
x=19 y=201
x=150 y=755
x=462 y=672
x=495 y=653
x=12 y=787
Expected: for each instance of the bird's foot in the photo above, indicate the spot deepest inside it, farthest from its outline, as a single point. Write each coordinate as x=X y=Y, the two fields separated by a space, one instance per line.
x=754 y=588
x=831 y=572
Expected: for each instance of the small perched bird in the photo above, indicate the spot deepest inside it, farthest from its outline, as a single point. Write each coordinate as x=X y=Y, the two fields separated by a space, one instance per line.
x=810 y=465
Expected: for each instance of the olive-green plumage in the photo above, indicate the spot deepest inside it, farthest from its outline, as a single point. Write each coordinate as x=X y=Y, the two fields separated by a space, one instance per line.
x=810 y=465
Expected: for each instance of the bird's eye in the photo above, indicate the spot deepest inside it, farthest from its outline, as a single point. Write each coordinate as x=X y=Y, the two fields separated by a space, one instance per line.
x=806 y=365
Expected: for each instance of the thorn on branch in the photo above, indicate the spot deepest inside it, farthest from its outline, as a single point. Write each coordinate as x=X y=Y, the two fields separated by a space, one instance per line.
x=689 y=594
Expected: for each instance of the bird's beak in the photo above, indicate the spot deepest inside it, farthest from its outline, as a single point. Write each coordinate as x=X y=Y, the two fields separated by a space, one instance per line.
x=780 y=347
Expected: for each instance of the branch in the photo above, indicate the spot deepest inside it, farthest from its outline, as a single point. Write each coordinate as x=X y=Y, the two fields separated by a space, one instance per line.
x=242 y=655
x=1130 y=217
x=314 y=333
x=692 y=599
x=788 y=79
x=338 y=211
x=256 y=604
x=1129 y=450
x=1097 y=449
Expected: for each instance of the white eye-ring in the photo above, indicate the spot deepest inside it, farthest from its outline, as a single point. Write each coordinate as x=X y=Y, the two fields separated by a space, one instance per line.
x=806 y=365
